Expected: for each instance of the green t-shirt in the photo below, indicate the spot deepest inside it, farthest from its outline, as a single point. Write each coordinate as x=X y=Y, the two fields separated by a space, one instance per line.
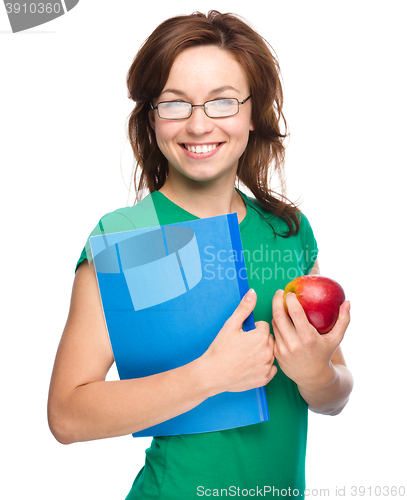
x=256 y=460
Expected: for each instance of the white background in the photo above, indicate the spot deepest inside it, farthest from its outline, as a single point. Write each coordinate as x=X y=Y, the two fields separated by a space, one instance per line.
x=65 y=162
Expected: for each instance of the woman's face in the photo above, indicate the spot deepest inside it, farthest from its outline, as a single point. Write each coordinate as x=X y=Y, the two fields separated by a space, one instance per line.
x=200 y=74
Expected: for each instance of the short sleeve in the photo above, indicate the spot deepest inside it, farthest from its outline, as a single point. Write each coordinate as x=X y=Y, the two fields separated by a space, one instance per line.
x=112 y=222
x=141 y=215
x=81 y=258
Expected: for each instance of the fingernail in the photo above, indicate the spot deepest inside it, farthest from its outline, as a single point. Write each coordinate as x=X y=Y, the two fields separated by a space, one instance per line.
x=249 y=295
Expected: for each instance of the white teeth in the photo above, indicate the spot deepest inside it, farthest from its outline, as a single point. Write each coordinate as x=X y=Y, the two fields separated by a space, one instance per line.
x=201 y=149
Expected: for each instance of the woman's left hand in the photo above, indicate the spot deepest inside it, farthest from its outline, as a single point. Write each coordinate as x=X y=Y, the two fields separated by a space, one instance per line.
x=302 y=353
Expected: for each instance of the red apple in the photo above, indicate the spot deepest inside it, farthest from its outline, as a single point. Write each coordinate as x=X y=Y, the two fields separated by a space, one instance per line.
x=320 y=297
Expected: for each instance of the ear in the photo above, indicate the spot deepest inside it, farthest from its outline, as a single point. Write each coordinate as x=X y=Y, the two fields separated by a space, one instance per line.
x=251 y=125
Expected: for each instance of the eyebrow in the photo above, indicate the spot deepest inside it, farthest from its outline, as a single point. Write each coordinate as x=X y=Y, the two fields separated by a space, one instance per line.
x=212 y=92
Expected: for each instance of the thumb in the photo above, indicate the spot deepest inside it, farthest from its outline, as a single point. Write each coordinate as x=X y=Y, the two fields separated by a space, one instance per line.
x=242 y=311
x=342 y=322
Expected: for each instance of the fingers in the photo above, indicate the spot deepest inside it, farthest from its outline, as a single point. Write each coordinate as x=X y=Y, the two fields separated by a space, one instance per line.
x=292 y=320
x=296 y=312
x=242 y=360
x=284 y=321
x=269 y=356
x=342 y=322
x=273 y=372
x=246 y=306
x=280 y=315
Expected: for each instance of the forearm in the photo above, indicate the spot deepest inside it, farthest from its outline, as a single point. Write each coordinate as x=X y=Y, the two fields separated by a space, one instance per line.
x=331 y=393
x=82 y=406
x=105 y=409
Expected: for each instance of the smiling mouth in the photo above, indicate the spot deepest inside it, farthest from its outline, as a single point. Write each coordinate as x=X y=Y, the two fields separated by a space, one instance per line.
x=204 y=148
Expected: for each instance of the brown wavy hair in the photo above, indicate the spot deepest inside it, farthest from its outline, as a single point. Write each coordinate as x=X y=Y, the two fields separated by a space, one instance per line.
x=265 y=150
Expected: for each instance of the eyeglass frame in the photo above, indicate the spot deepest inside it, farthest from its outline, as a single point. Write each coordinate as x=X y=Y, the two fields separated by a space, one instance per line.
x=201 y=106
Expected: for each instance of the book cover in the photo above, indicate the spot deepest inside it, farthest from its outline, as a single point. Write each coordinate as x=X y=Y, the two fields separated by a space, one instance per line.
x=166 y=293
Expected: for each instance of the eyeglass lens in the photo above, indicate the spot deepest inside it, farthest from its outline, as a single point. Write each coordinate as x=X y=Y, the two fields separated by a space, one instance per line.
x=218 y=108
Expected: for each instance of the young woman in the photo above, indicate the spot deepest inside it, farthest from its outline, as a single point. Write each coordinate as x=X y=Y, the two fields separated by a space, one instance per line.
x=208 y=113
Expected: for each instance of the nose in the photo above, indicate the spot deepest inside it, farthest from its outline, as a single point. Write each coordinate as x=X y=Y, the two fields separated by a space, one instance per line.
x=199 y=123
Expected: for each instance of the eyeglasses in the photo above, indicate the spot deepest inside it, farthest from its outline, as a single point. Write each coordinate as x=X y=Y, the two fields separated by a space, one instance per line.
x=180 y=110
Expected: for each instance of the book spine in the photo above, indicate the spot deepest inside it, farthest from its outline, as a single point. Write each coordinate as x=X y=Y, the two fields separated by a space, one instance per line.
x=240 y=265
x=243 y=289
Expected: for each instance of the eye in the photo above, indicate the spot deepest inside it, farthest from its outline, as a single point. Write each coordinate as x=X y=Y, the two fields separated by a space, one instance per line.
x=219 y=108
x=223 y=103
x=174 y=105
x=173 y=110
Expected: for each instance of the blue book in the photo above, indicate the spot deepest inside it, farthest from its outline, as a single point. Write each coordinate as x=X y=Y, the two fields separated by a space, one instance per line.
x=166 y=293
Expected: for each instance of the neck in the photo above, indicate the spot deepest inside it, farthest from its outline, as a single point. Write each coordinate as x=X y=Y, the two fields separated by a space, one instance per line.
x=206 y=201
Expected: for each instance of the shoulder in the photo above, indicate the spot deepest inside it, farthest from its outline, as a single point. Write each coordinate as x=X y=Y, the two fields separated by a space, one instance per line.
x=141 y=215
x=299 y=249
x=304 y=222
x=278 y=223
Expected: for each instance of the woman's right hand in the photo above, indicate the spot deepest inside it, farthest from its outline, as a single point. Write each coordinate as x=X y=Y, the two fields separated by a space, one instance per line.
x=238 y=360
